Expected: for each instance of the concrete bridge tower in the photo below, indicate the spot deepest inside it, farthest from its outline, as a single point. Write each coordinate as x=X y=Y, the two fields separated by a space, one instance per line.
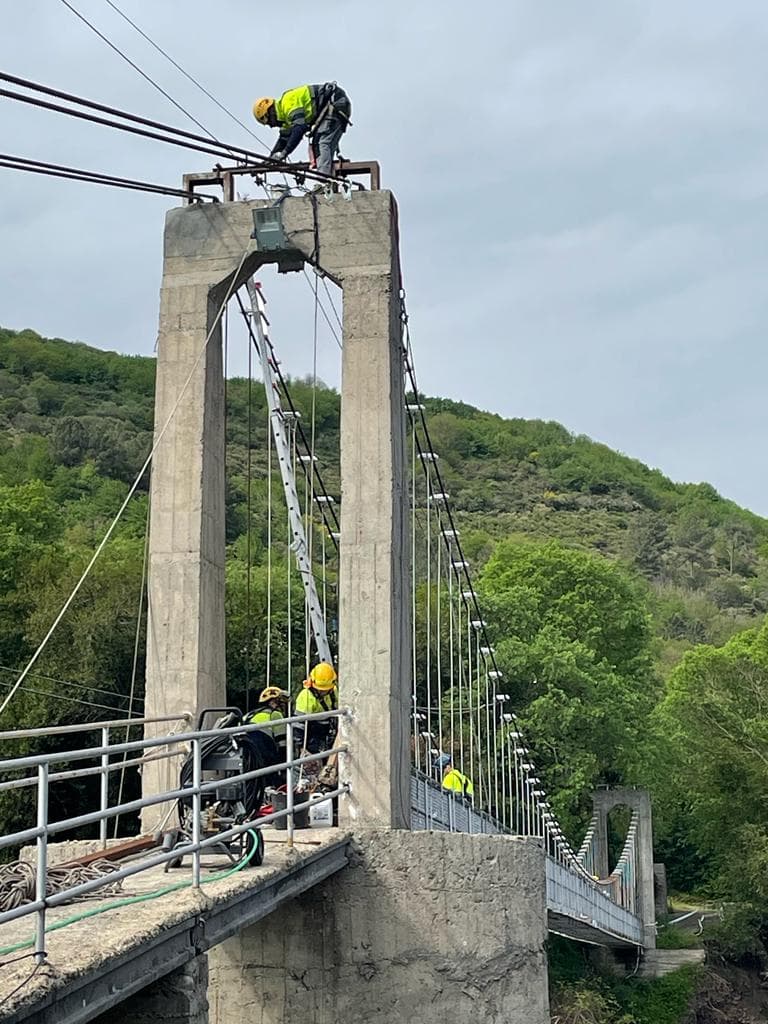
x=421 y=926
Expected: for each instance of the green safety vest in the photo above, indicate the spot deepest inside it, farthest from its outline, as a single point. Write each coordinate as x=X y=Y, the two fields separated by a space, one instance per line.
x=455 y=782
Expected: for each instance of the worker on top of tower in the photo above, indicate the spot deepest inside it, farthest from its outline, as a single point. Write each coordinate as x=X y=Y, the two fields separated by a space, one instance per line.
x=322 y=110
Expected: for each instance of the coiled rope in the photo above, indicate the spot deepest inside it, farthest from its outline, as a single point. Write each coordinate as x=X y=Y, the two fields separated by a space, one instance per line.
x=18 y=882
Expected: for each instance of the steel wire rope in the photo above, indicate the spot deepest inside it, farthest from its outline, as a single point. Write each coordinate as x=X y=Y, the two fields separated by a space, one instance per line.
x=333 y=527
x=331 y=328
x=84 y=687
x=249 y=530
x=451 y=663
x=310 y=477
x=428 y=602
x=269 y=548
x=135 y=658
x=307 y=531
x=129 y=901
x=140 y=71
x=18 y=163
x=60 y=696
x=470 y=717
x=439 y=636
x=333 y=305
x=416 y=728
x=186 y=74
x=146 y=122
x=132 y=490
x=165 y=133
x=410 y=373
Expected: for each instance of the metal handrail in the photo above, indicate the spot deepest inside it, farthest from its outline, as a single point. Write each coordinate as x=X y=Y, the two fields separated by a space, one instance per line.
x=112 y=723
x=35 y=760
x=44 y=830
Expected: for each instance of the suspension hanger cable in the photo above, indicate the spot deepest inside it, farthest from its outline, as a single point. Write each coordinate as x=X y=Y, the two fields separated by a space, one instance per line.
x=269 y=547
x=135 y=661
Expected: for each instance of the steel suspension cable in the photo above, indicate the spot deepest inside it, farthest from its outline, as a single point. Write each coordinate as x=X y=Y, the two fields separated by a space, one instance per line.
x=186 y=74
x=328 y=512
x=19 y=163
x=135 y=66
x=268 y=673
x=135 y=660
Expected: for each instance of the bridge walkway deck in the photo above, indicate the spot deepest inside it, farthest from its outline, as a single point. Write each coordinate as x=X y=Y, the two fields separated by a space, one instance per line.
x=99 y=960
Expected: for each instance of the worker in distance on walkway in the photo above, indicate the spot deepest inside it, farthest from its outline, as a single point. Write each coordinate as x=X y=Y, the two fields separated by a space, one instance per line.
x=453 y=780
x=322 y=110
x=318 y=694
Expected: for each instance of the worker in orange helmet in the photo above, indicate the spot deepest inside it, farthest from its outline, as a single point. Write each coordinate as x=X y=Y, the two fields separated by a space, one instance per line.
x=322 y=110
x=318 y=694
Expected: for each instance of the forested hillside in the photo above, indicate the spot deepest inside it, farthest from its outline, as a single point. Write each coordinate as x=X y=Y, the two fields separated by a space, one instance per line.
x=598 y=575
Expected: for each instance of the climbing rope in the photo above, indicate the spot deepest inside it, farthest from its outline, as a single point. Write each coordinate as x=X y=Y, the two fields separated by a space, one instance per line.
x=18 y=882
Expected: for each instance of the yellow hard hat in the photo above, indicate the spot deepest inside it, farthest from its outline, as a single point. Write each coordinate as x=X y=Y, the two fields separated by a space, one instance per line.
x=273 y=693
x=261 y=108
x=322 y=676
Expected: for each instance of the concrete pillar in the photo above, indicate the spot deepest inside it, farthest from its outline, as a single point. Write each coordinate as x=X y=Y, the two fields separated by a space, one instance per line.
x=603 y=801
x=432 y=927
x=602 y=866
x=186 y=667
x=180 y=997
x=374 y=572
x=207 y=249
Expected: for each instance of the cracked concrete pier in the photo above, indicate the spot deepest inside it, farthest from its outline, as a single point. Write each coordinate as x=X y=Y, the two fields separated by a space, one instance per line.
x=434 y=927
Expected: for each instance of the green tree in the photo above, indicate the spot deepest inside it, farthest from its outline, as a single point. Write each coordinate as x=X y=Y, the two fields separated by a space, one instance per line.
x=713 y=737
x=573 y=636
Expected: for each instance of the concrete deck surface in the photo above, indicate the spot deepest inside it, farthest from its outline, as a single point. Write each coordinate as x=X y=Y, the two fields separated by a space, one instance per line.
x=102 y=944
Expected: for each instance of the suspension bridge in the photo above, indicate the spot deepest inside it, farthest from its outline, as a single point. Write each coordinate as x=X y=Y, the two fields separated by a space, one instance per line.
x=422 y=902
x=419 y=891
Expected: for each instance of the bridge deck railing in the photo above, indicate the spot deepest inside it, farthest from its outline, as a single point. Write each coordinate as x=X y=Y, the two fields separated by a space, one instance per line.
x=571 y=890
x=35 y=771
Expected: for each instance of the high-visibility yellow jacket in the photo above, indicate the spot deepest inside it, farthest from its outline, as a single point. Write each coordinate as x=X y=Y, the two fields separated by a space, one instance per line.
x=277 y=731
x=301 y=106
x=308 y=703
x=458 y=783
x=318 y=735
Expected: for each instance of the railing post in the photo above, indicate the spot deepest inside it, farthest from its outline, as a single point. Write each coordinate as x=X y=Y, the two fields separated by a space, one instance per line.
x=196 y=813
x=104 y=787
x=289 y=780
x=42 y=859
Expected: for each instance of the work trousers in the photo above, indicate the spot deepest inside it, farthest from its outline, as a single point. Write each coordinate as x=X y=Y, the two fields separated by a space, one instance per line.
x=327 y=134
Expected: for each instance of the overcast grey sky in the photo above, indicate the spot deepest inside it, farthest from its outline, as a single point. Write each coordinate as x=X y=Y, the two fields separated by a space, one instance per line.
x=581 y=188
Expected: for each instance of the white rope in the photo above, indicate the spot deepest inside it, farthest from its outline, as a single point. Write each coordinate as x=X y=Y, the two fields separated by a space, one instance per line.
x=105 y=539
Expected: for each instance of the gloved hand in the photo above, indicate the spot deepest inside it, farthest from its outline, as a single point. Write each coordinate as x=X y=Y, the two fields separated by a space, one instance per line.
x=278 y=155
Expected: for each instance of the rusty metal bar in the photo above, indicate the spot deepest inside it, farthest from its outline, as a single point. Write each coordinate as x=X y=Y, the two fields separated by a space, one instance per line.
x=225 y=176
